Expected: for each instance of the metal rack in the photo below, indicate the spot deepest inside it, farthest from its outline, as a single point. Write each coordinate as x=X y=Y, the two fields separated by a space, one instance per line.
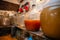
x=24 y=34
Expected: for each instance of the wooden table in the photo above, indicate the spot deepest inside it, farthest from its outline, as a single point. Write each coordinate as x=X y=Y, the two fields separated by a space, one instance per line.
x=7 y=37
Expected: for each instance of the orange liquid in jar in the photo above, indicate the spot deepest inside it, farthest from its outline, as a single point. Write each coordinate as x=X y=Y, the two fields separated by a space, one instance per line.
x=32 y=25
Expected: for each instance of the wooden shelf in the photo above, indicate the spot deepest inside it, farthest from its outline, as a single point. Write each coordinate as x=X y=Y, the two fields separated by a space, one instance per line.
x=4 y=5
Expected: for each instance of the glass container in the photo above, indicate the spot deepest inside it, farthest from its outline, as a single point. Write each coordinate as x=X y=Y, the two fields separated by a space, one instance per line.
x=50 y=19
x=32 y=20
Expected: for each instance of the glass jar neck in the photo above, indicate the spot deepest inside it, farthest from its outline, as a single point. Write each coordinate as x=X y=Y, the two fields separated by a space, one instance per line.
x=52 y=3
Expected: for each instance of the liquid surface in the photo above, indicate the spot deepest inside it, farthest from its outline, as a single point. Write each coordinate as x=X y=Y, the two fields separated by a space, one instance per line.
x=32 y=25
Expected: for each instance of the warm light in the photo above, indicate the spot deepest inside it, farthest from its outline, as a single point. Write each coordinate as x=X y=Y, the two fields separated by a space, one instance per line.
x=37 y=1
x=41 y=1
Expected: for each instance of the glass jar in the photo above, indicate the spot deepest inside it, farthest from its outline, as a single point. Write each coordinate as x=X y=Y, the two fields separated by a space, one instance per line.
x=32 y=20
x=50 y=19
x=6 y=23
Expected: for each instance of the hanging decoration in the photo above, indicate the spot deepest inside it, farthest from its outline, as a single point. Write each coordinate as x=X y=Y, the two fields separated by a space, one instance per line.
x=25 y=6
